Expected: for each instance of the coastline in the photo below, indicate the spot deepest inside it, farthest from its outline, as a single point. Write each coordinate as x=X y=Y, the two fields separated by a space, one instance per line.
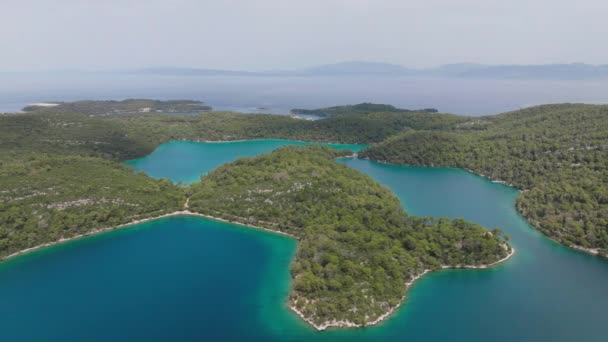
x=364 y=146
x=483 y=266
x=386 y=315
x=265 y=139
x=495 y=181
x=135 y=222
x=592 y=251
x=90 y=233
x=318 y=327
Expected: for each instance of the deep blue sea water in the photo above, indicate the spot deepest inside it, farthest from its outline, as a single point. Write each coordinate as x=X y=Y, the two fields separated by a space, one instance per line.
x=187 y=278
x=278 y=95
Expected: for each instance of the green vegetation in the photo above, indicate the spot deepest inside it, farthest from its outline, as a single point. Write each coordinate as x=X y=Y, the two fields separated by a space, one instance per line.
x=125 y=107
x=131 y=136
x=361 y=108
x=69 y=134
x=44 y=199
x=357 y=246
x=557 y=153
x=359 y=128
x=60 y=177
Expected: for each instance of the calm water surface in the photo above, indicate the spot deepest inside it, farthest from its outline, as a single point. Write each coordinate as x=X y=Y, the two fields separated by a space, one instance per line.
x=188 y=278
x=186 y=161
x=280 y=94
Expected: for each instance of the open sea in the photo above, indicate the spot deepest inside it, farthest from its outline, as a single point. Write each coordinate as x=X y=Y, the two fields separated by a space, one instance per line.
x=277 y=95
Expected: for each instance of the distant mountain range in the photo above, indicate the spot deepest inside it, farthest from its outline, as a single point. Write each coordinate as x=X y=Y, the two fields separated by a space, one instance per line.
x=468 y=70
x=544 y=71
x=356 y=68
x=177 y=71
x=574 y=71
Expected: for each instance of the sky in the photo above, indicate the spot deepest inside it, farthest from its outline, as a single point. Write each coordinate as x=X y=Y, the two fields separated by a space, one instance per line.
x=284 y=34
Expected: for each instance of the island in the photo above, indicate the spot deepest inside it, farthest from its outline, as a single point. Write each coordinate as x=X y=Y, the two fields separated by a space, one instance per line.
x=124 y=107
x=360 y=108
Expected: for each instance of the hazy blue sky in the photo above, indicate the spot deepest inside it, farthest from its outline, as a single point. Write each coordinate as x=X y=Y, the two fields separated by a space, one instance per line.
x=267 y=34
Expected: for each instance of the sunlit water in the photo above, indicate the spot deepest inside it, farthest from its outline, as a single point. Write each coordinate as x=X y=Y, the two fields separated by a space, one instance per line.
x=188 y=278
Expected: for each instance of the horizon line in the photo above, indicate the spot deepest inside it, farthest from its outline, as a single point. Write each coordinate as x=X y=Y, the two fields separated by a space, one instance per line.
x=287 y=69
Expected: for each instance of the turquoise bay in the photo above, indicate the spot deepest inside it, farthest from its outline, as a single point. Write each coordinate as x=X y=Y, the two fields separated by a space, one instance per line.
x=187 y=278
x=186 y=161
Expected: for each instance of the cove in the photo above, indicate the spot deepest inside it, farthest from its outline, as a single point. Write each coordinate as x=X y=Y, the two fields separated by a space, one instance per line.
x=187 y=278
x=186 y=161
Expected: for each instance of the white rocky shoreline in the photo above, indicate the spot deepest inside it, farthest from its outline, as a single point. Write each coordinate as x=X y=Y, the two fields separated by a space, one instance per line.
x=347 y=324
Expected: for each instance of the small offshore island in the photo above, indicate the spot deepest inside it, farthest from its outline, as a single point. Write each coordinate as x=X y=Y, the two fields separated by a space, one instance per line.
x=358 y=251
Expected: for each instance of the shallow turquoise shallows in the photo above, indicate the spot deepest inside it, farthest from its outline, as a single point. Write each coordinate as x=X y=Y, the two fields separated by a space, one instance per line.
x=187 y=278
x=186 y=161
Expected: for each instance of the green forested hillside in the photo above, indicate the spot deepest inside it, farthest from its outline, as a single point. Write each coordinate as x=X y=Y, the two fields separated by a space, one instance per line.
x=357 y=246
x=76 y=148
x=46 y=198
x=131 y=136
x=557 y=153
x=70 y=134
x=357 y=128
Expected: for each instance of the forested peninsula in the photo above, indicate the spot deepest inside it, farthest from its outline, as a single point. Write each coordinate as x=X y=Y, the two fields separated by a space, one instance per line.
x=357 y=247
